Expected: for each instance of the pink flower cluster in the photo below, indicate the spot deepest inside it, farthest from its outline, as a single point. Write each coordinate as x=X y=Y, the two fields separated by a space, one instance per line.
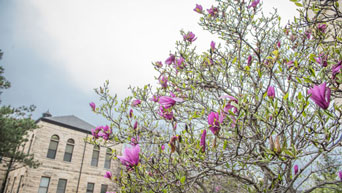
x=166 y=104
x=130 y=157
x=102 y=131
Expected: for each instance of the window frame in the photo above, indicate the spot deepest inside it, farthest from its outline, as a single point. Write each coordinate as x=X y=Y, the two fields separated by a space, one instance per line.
x=66 y=182
x=96 y=150
x=92 y=190
x=108 y=159
x=52 y=140
x=15 y=179
x=47 y=188
x=106 y=188
x=71 y=144
x=20 y=180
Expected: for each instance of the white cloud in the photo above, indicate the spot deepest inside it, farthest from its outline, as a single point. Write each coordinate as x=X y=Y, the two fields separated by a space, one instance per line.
x=92 y=41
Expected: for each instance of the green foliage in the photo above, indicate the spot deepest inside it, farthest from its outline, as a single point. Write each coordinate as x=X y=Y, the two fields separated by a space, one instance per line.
x=14 y=125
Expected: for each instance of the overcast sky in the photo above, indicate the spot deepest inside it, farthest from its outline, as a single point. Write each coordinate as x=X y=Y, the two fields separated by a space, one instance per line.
x=57 y=51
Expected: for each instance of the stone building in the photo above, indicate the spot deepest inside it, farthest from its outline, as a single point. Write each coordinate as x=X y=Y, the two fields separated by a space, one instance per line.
x=68 y=163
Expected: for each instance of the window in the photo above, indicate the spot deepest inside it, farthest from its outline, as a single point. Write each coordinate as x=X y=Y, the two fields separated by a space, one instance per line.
x=44 y=185
x=9 y=180
x=108 y=158
x=69 y=148
x=21 y=178
x=53 y=147
x=90 y=188
x=95 y=157
x=61 y=185
x=13 y=184
x=104 y=188
x=29 y=149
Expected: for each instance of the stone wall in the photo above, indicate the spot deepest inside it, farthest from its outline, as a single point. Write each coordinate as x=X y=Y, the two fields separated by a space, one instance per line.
x=56 y=168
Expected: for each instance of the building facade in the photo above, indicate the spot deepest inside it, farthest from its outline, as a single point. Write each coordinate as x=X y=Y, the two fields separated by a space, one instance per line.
x=68 y=163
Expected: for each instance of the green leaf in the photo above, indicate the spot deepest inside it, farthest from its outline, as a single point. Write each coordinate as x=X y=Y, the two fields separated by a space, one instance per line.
x=299 y=4
x=234 y=60
x=225 y=144
x=286 y=96
x=182 y=180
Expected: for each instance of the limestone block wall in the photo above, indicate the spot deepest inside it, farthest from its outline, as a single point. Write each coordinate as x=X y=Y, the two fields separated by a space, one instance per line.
x=57 y=169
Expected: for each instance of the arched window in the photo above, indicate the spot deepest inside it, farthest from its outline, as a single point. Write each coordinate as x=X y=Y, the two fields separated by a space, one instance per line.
x=108 y=158
x=69 y=148
x=95 y=157
x=53 y=147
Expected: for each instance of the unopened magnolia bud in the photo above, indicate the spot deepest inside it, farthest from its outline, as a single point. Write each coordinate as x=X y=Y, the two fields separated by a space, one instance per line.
x=277 y=145
x=271 y=144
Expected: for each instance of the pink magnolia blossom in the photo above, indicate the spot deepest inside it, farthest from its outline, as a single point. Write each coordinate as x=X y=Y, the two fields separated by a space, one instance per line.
x=249 y=60
x=229 y=106
x=170 y=59
x=154 y=98
x=163 y=81
x=162 y=147
x=105 y=132
x=340 y=175
x=92 y=105
x=134 y=141
x=336 y=69
x=278 y=44
x=131 y=113
x=190 y=37
x=159 y=64
x=180 y=63
x=198 y=8
x=130 y=157
x=213 y=11
x=322 y=60
x=214 y=121
x=320 y=95
x=295 y=168
x=308 y=34
x=271 y=92
x=254 y=4
x=108 y=175
x=202 y=143
x=135 y=125
x=136 y=102
x=95 y=132
x=165 y=112
x=212 y=46
x=322 y=27
x=168 y=102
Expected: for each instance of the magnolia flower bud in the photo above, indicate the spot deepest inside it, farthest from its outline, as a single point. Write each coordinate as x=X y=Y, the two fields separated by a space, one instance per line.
x=271 y=144
x=277 y=145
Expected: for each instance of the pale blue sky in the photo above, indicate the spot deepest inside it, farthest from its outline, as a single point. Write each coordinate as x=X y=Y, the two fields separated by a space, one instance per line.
x=56 y=52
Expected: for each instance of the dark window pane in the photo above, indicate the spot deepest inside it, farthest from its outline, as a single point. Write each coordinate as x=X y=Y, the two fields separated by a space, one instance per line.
x=51 y=154
x=52 y=149
x=61 y=185
x=68 y=152
x=107 y=161
x=67 y=157
x=90 y=187
x=18 y=189
x=13 y=184
x=44 y=185
x=104 y=188
x=95 y=158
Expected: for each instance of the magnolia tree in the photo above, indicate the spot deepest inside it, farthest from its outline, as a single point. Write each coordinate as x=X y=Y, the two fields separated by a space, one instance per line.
x=253 y=114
